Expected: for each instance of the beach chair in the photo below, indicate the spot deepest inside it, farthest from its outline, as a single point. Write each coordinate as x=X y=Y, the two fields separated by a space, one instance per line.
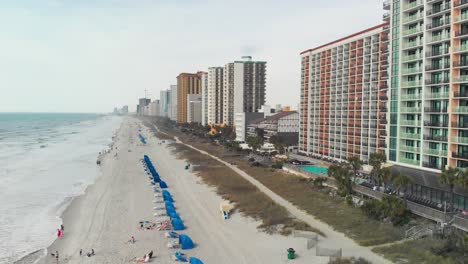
x=160 y=213
x=160 y=207
x=179 y=256
x=166 y=225
x=173 y=244
x=171 y=234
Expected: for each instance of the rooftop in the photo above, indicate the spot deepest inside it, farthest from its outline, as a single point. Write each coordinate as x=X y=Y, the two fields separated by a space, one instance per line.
x=347 y=37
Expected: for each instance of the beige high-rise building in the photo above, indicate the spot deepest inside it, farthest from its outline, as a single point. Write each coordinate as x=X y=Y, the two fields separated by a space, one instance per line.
x=187 y=83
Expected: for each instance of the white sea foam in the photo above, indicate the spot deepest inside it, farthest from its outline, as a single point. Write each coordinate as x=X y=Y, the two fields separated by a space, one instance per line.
x=37 y=184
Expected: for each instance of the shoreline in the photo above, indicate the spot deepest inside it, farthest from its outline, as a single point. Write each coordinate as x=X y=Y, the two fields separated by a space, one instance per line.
x=39 y=255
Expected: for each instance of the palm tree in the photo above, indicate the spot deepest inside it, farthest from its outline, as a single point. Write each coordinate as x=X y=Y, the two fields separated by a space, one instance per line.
x=342 y=175
x=384 y=176
x=376 y=160
x=356 y=164
x=400 y=181
x=450 y=177
x=463 y=180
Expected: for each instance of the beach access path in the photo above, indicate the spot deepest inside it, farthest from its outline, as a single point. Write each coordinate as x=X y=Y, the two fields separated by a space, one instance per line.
x=108 y=214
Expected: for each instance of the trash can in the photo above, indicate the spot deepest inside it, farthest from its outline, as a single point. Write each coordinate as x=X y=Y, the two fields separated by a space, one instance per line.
x=291 y=253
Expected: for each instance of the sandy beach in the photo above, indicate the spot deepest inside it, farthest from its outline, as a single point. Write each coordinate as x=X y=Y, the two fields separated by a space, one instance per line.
x=108 y=214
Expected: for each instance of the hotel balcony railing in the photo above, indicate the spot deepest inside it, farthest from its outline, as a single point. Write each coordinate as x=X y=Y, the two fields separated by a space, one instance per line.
x=411 y=136
x=432 y=165
x=458 y=94
x=410 y=110
x=438 y=24
x=461 y=48
x=437 y=67
x=461 y=109
x=440 y=37
x=410 y=123
x=410 y=97
x=460 y=124
x=461 y=17
x=386 y=5
x=412 y=5
x=437 y=52
x=437 y=81
x=435 y=109
x=411 y=84
x=409 y=161
x=458 y=3
x=412 y=31
x=412 y=18
x=411 y=70
x=436 y=124
x=460 y=155
x=412 y=44
x=461 y=140
x=411 y=57
x=442 y=8
x=437 y=95
x=460 y=64
x=409 y=148
x=460 y=33
x=435 y=138
x=461 y=78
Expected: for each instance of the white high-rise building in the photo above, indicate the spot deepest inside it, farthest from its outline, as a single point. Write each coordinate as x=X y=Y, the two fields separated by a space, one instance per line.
x=214 y=96
x=172 y=112
x=194 y=108
x=244 y=87
x=204 y=91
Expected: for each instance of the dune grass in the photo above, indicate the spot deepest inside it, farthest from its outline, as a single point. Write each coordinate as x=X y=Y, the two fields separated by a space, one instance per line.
x=247 y=199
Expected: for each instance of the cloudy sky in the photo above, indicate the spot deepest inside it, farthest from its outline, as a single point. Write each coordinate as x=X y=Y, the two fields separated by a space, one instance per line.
x=92 y=55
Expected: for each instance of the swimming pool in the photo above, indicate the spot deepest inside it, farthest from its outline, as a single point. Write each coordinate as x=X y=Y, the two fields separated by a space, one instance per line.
x=315 y=169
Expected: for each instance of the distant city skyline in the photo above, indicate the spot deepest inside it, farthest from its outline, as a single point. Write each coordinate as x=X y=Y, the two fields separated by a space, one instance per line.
x=68 y=56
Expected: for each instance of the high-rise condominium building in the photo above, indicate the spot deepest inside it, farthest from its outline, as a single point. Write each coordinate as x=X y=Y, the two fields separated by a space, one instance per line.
x=428 y=83
x=244 y=87
x=187 y=83
x=213 y=108
x=344 y=95
x=164 y=100
x=204 y=103
x=173 y=103
x=194 y=108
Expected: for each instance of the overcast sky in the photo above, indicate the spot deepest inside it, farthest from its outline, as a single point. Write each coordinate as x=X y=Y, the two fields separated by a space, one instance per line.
x=92 y=55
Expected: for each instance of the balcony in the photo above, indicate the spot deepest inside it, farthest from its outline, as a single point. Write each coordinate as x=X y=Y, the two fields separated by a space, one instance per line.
x=438 y=24
x=412 y=44
x=409 y=149
x=460 y=125
x=461 y=33
x=410 y=109
x=432 y=165
x=386 y=5
x=458 y=3
x=435 y=67
x=437 y=81
x=435 y=124
x=461 y=109
x=460 y=79
x=437 y=138
x=434 y=11
x=435 y=109
x=437 y=53
x=458 y=94
x=441 y=37
x=461 y=140
x=408 y=84
x=409 y=161
x=413 y=57
x=461 y=48
x=460 y=155
x=406 y=97
x=412 y=31
x=412 y=18
x=461 y=17
x=411 y=71
x=435 y=152
x=410 y=123
x=410 y=136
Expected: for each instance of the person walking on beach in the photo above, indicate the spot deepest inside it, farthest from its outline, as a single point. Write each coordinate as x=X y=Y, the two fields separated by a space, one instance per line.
x=81 y=252
x=56 y=256
x=62 y=228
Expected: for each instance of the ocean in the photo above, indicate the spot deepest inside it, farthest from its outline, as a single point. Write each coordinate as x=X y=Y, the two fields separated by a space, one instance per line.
x=45 y=161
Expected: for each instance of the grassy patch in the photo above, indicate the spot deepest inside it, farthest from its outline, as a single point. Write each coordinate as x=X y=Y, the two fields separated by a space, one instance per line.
x=417 y=251
x=247 y=198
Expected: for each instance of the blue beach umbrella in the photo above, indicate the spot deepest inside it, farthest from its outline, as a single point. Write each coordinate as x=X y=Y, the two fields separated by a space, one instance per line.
x=193 y=260
x=177 y=224
x=185 y=242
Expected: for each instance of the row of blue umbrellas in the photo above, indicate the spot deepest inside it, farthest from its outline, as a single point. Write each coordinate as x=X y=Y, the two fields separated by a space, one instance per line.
x=177 y=223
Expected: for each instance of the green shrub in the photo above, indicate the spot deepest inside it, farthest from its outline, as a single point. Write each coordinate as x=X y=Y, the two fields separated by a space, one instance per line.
x=390 y=207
